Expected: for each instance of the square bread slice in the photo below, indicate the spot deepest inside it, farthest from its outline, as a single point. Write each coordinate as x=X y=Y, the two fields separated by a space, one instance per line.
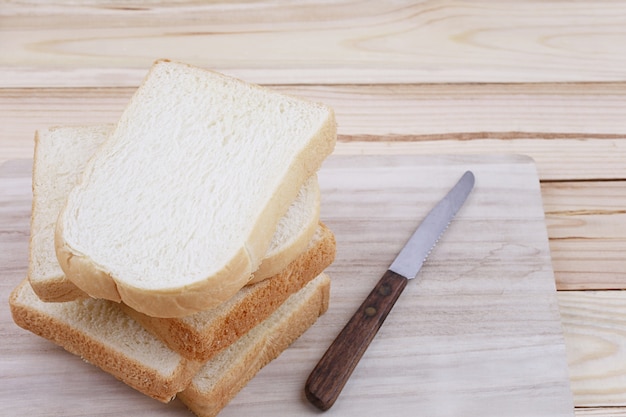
x=60 y=157
x=178 y=206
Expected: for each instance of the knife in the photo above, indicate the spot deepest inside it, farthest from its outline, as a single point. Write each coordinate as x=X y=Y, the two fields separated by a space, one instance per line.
x=334 y=368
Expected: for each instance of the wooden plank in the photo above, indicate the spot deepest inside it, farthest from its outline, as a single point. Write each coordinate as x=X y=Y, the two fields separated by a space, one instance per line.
x=590 y=264
x=480 y=327
x=601 y=412
x=425 y=112
x=433 y=111
x=572 y=131
x=594 y=323
x=65 y=43
x=556 y=159
x=587 y=227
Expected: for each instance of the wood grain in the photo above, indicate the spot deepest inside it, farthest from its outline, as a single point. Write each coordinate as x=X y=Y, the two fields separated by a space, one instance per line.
x=601 y=412
x=543 y=78
x=480 y=325
x=425 y=111
x=587 y=228
x=594 y=323
x=573 y=131
x=556 y=159
x=62 y=43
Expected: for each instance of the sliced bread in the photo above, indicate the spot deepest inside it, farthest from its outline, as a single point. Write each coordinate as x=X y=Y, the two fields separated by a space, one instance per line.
x=202 y=335
x=100 y=333
x=59 y=159
x=293 y=232
x=61 y=154
x=178 y=207
x=217 y=383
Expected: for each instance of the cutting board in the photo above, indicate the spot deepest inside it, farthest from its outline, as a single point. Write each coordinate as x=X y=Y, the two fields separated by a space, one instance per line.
x=477 y=334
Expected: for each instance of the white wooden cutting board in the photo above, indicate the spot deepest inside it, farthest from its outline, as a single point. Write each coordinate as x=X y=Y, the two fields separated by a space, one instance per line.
x=477 y=334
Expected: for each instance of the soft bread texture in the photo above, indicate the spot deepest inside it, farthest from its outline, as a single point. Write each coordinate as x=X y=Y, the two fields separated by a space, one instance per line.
x=59 y=159
x=201 y=336
x=293 y=233
x=101 y=334
x=226 y=374
x=61 y=154
x=178 y=207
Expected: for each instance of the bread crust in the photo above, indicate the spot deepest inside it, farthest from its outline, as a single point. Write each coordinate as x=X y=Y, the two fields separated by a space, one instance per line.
x=57 y=290
x=242 y=368
x=176 y=302
x=55 y=286
x=254 y=303
x=212 y=290
x=273 y=265
x=52 y=289
x=97 y=352
x=249 y=355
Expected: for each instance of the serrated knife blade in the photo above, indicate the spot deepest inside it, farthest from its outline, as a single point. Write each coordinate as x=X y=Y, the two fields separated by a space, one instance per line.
x=410 y=259
x=330 y=375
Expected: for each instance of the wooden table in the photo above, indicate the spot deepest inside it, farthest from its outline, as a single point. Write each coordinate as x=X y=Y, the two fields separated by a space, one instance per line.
x=546 y=79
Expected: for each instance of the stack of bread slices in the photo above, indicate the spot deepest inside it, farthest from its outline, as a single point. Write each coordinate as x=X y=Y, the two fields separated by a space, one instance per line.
x=181 y=249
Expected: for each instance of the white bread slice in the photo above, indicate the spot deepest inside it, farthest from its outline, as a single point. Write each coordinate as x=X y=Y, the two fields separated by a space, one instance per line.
x=217 y=383
x=100 y=333
x=201 y=336
x=59 y=159
x=293 y=232
x=177 y=208
x=60 y=156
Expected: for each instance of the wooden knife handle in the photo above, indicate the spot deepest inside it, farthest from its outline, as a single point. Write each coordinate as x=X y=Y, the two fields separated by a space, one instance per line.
x=332 y=372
